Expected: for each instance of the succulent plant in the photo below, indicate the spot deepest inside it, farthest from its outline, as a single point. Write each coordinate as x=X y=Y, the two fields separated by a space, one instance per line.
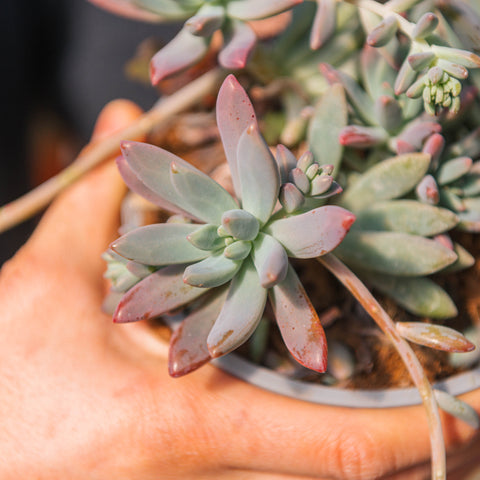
x=233 y=252
x=202 y=19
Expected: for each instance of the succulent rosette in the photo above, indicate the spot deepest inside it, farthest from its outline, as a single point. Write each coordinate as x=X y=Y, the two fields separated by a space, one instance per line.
x=202 y=19
x=232 y=254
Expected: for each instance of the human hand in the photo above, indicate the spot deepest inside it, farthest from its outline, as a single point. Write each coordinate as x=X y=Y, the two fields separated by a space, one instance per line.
x=82 y=398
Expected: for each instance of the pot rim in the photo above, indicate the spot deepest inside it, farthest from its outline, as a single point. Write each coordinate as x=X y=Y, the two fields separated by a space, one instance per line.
x=387 y=398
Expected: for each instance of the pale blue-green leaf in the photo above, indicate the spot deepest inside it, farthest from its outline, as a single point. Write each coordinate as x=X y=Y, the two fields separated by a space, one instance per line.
x=405 y=77
x=464 y=260
x=286 y=161
x=182 y=51
x=453 y=69
x=425 y=25
x=300 y=180
x=389 y=113
x=211 y=272
x=137 y=186
x=408 y=216
x=201 y=195
x=258 y=174
x=450 y=199
x=389 y=179
x=239 y=41
x=434 y=336
x=420 y=296
x=453 y=169
x=159 y=244
x=206 y=21
x=170 y=9
x=234 y=114
x=240 y=314
x=359 y=99
x=458 y=408
x=125 y=8
x=320 y=185
x=305 y=161
x=240 y=224
x=394 y=253
x=188 y=343
x=298 y=322
x=471 y=185
x=455 y=55
x=329 y=117
x=313 y=233
x=257 y=9
x=291 y=197
x=155 y=295
x=324 y=23
x=238 y=250
x=205 y=237
x=383 y=32
x=270 y=259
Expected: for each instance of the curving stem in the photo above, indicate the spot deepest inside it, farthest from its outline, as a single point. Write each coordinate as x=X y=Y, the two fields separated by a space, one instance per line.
x=93 y=154
x=373 y=308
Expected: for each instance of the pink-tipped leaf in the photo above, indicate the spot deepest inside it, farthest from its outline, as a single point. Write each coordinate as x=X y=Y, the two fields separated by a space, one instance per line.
x=239 y=40
x=299 y=324
x=270 y=260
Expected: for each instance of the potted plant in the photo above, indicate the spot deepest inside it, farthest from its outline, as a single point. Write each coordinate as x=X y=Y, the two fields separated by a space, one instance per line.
x=372 y=109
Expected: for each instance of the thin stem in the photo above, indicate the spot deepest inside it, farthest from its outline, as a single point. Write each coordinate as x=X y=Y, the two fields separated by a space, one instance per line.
x=373 y=308
x=95 y=153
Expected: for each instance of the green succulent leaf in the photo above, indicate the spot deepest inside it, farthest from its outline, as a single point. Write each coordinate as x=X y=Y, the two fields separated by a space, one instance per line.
x=239 y=40
x=240 y=314
x=270 y=259
x=453 y=170
x=201 y=196
x=394 y=253
x=408 y=216
x=329 y=118
x=211 y=272
x=205 y=237
x=420 y=296
x=438 y=337
x=156 y=295
x=234 y=114
x=458 y=408
x=258 y=174
x=188 y=343
x=389 y=179
x=377 y=74
x=298 y=322
x=257 y=9
x=313 y=233
x=159 y=244
x=238 y=250
x=240 y=224
x=206 y=21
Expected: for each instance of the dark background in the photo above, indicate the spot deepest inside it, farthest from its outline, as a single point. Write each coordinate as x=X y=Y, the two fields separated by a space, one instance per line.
x=62 y=61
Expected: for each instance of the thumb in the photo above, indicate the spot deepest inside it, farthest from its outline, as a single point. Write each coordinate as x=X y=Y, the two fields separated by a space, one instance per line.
x=81 y=223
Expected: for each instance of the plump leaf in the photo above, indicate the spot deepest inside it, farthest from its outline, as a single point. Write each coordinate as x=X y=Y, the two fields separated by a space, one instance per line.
x=298 y=322
x=394 y=253
x=406 y=216
x=258 y=174
x=155 y=295
x=205 y=237
x=126 y=8
x=159 y=244
x=455 y=55
x=291 y=197
x=240 y=314
x=270 y=259
x=182 y=51
x=188 y=343
x=438 y=337
x=377 y=74
x=206 y=21
x=458 y=408
x=239 y=41
x=238 y=250
x=405 y=77
x=313 y=233
x=234 y=114
x=324 y=23
x=329 y=118
x=257 y=9
x=170 y=9
x=359 y=136
x=386 y=180
x=425 y=25
x=211 y=272
x=383 y=32
x=286 y=161
x=240 y=224
x=453 y=170
x=200 y=195
x=138 y=187
x=389 y=113
x=420 y=296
